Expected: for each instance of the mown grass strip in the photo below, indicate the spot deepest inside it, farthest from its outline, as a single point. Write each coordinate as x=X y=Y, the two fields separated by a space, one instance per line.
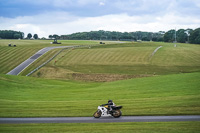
x=26 y=48
x=161 y=95
x=13 y=57
x=140 y=127
x=128 y=58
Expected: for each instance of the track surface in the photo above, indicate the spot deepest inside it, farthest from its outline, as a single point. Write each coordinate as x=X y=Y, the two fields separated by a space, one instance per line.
x=100 y=120
x=33 y=58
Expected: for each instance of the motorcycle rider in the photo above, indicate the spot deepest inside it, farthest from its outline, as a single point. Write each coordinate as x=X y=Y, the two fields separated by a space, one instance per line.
x=110 y=105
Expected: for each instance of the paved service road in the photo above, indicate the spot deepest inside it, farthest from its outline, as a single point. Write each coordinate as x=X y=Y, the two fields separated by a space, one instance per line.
x=100 y=120
x=33 y=58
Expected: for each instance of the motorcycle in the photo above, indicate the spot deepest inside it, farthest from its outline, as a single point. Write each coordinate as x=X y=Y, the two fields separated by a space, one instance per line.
x=103 y=111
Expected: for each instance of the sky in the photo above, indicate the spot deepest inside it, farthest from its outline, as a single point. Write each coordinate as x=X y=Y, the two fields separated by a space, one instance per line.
x=62 y=17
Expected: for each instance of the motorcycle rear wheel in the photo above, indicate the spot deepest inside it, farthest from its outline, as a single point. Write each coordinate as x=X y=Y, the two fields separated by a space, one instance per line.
x=117 y=114
x=97 y=114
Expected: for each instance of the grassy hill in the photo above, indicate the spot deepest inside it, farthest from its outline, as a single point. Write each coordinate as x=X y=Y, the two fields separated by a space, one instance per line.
x=102 y=63
x=158 y=95
x=122 y=61
x=162 y=95
x=10 y=57
x=172 y=89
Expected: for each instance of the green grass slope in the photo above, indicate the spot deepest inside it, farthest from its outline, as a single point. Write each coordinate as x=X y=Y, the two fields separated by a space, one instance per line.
x=122 y=61
x=161 y=95
x=139 y=127
x=10 y=57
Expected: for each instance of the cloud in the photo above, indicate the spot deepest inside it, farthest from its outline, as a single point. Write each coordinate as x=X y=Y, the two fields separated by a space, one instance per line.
x=64 y=23
x=60 y=17
x=101 y=3
x=92 y=8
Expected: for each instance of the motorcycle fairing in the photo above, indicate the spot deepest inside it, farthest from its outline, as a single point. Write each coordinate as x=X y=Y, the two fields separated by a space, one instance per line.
x=104 y=111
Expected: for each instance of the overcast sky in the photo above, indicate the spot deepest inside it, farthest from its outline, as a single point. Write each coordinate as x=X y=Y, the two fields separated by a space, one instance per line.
x=45 y=17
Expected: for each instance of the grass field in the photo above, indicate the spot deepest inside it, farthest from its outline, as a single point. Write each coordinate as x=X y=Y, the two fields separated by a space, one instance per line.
x=170 y=85
x=10 y=57
x=102 y=63
x=123 y=61
x=161 y=95
x=142 y=127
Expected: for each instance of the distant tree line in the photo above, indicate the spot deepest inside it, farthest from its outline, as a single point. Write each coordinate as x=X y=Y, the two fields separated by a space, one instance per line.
x=181 y=36
x=10 y=34
x=112 y=35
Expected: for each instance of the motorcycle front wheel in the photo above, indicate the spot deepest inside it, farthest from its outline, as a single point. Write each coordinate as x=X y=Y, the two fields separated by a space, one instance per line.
x=117 y=114
x=97 y=114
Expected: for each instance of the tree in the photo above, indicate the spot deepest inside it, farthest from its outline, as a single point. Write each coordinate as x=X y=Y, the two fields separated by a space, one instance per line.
x=50 y=36
x=145 y=39
x=188 y=32
x=195 y=36
x=112 y=35
x=22 y=35
x=181 y=36
x=169 y=36
x=29 y=35
x=43 y=38
x=17 y=36
x=10 y=34
x=55 y=36
x=35 y=36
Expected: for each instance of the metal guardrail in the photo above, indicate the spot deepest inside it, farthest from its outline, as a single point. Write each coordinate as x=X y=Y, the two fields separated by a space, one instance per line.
x=78 y=46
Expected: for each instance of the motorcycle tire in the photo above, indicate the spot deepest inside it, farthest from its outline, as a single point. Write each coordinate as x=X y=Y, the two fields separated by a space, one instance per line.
x=117 y=114
x=97 y=114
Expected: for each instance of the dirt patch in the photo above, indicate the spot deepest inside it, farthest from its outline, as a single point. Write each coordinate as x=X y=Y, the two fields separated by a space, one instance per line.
x=52 y=73
x=59 y=73
x=104 y=77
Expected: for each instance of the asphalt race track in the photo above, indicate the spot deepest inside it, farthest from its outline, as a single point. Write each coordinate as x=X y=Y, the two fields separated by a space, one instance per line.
x=100 y=120
x=33 y=58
